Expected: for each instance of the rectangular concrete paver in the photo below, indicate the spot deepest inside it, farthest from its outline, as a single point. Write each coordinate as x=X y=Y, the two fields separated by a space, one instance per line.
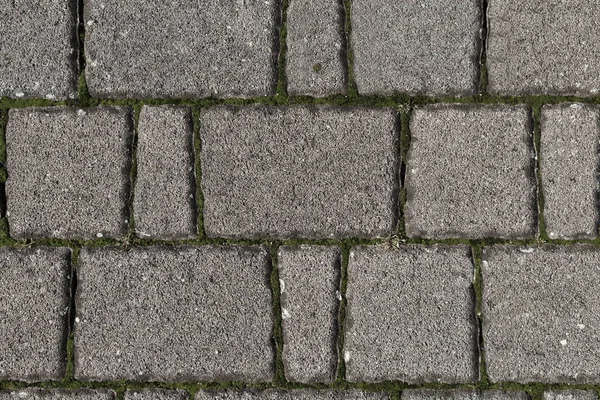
x=308 y=172
x=471 y=172
x=416 y=47
x=541 y=313
x=410 y=315
x=181 y=48
x=163 y=205
x=315 y=56
x=57 y=394
x=38 y=49
x=570 y=395
x=309 y=280
x=34 y=307
x=174 y=314
x=156 y=394
x=548 y=47
x=300 y=394
x=68 y=172
x=569 y=163
x=462 y=394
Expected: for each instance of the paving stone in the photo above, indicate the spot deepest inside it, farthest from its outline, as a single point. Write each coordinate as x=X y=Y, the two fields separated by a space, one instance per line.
x=181 y=48
x=156 y=394
x=569 y=163
x=470 y=173
x=410 y=315
x=34 y=303
x=570 y=395
x=309 y=279
x=38 y=49
x=550 y=47
x=301 y=394
x=56 y=394
x=312 y=172
x=428 y=47
x=68 y=172
x=163 y=204
x=462 y=394
x=315 y=60
x=174 y=314
x=541 y=313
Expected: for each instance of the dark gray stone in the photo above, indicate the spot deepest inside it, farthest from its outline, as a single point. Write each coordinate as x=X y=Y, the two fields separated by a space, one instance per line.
x=174 y=314
x=410 y=315
x=68 y=172
x=470 y=173
x=38 y=49
x=57 y=394
x=34 y=307
x=309 y=280
x=181 y=48
x=310 y=172
x=569 y=164
x=462 y=394
x=416 y=47
x=570 y=395
x=163 y=203
x=541 y=313
x=548 y=47
x=315 y=60
x=156 y=394
x=299 y=394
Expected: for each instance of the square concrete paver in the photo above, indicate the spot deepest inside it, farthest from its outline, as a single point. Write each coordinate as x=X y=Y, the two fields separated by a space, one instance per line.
x=471 y=172
x=410 y=315
x=156 y=394
x=181 y=48
x=34 y=308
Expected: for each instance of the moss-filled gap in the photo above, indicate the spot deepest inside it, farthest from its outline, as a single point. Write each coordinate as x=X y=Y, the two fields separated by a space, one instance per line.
x=483 y=40
x=282 y=57
x=198 y=173
x=277 y=319
x=536 y=110
x=476 y=254
x=131 y=233
x=350 y=79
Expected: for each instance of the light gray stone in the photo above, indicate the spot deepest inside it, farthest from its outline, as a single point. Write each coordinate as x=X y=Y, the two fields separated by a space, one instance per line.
x=174 y=313
x=309 y=172
x=68 y=172
x=570 y=395
x=181 y=48
x=298 y=394
x=156 y=394
x=548 y=47
x=34 y=308
x=471 y=173
x=315 y=59
x=426 y=47
x=541 y=313
x=569 y=165
x=462 y=394
x=410 y=315
x=57 y=394
x=163 y=205
x=309 y=280
x=38 y=49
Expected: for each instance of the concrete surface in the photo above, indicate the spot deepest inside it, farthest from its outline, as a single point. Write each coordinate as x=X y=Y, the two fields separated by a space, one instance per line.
x=304 y=394
x=164 y=206
x=570 y=395
x=156 y=394
x=410 y=315
x=57 y=394
x=462 y=394
x=309 y=277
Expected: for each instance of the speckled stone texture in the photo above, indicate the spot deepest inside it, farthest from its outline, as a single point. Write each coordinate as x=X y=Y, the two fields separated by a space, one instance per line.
x=541 y=313
x=302 y=172
x=471 y=173
x=410 y=315
x=570 y=395
x=300 y=394
x=315 y=41
x=68 y=172
x=156 y=394
x=309 y=281
x=462 y=394
x=174 y=314
x=426 y=47
x=181 y=48
x=38 y=49
x=548 y=47
x=34 y=307
x=57 y=394
x=163 y=204
x=569 y=163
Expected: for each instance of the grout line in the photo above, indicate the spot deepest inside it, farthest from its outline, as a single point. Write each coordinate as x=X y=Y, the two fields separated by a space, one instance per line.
x=404 y=146
x=282 y=57
x=131 y=234
x=536 y=110
x=483 y=40
x=476 y=253
x=83 y=94
x=70 y=344
x=279 y=378
x=201 y=233
x=351 y=81
x=344 y=257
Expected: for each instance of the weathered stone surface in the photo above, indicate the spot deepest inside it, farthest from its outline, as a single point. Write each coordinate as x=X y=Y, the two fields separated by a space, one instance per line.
x=410 y=315
x=570 y=395
x=300 y=394
x=57 y=394
x=470 y=172
x=156 y=394
x=462 y=394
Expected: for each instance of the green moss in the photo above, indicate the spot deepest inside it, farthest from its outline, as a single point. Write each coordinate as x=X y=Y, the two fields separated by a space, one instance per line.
x=317 y=68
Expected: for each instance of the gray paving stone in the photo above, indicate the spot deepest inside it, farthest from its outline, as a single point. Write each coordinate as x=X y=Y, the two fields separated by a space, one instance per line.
x=541 y=313
x=299 y=394
x=549 y=47
x=569 y=164
x=313 y=172
x=570 y=395
x=310 y=281
x=315 y=60
x=34 y=303
x=68 y=172
x=181 y=48
x=56 y=394
x=156 y=394
x=38 y=49
x=174 y=314
x=470 y=173
x=427 y=47
x=163 y=205
x=410 y=315
x=462 y=394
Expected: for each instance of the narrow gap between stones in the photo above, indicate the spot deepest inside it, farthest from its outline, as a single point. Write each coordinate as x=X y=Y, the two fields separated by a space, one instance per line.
x=131 y=234
x=483 y=39
x=277 y=319
x=535 y=127
x=405 y=114
x=282 y=57
x=201 y=233
x=352 y=90
x=476 y=255
x=83 y=94
x=341 y=368
x=72 y=313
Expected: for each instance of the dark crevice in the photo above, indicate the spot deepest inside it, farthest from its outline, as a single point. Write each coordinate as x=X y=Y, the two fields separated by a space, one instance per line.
x=281 y=62
x=352 y=89
x=483 y=38
x=277 y=319
x=344 y=257
x=3 y=204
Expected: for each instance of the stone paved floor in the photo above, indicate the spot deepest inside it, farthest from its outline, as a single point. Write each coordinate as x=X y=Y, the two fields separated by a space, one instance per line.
x=299 y=199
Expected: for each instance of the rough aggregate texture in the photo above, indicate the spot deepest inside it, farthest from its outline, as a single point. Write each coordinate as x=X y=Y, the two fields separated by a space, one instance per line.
x=462 y=394
x=57 y=394
x=303 y=394
x=570 y=395
x=156 y=394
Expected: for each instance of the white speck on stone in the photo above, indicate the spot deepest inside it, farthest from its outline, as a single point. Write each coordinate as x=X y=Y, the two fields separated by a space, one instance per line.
x=285 y=314
x=50 y=96
x=118 y=352
x=19 y=94
x=99 y=235
x=563 y=342
x=281 y=286
x=77 y=320
x=580 y=326
x=90 y=22
x=485 y=264
x=81 y=112
x=141 y=373
x=576 y=106
x=594 y=90
x=526 y=250
x=23 y=394
x=346 y=356
x=338 y=295
x=551 y=235
x=351 y=254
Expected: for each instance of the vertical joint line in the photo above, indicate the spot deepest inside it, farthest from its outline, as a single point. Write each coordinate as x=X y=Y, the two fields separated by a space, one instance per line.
x=131 y=234
x=536 y=110
x=82 y=89
x=341 y=371
x=198 y=173
x=352 y=90
x=3 y=172
x=70 y=372
x=477 y=254
x=483 y=40
x=277 y=319
x=404 y=145
x=282 y=59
